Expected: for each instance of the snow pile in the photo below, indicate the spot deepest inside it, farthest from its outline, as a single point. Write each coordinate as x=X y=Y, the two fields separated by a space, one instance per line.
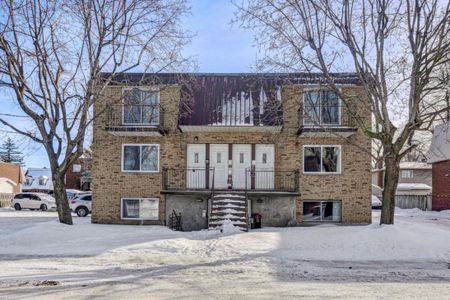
x=416 y=212
x=227 y=227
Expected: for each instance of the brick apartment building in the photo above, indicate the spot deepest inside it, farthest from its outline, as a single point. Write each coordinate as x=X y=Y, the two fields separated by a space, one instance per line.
x=439 y=157
x=79 y=175
x=211 y=147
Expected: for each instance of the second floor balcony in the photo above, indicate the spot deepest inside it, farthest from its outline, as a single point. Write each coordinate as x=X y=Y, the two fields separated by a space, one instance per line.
x=135 y=119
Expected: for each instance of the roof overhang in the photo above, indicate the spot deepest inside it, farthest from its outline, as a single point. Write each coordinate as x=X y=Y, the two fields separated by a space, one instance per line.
x=220 y=128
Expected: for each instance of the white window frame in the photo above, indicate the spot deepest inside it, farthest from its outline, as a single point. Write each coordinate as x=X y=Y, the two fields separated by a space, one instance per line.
x=140 y=160
x=318 y=89
x=140 y=200
x=410 y=172
x=321 y=151
x=321 y=216
x=145 y=89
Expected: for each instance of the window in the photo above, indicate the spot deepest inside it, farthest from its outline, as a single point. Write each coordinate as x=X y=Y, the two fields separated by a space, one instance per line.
x=140 y=106
x=43 y=180
x=19 y=196
x=322 y=211
x=264 y=158
x=241 y=158
x=196 y=158
x=29 y=181
x=76 y=168
x=321 y=108
x=219 y=158
x=407 y=174
x=87 y=198
x=140 y=158
x=322 y=159
x=140 y=209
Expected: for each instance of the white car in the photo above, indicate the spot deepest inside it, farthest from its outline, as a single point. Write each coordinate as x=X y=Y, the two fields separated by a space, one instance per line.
x=33 y=201
x=81 y=204
x=376 y=202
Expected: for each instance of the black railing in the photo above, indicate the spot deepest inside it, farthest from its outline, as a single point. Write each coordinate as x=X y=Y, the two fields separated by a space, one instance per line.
x=134 y=116
x=187 y=179
x=255 y=180
x=327 y=116
x=273 y=180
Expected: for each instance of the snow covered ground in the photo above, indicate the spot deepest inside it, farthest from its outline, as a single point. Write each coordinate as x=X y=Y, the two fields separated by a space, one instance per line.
x=40 y=258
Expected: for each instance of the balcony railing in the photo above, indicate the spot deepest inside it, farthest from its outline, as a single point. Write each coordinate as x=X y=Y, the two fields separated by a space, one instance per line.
x=187 y=179
x=255 y=180
x=273 y=180
x=320 y=118
x=135 y=118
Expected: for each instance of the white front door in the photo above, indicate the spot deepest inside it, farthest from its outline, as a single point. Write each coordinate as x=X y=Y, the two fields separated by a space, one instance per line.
x=242 y=160
x=218 y=157
x=265 y=166
x=196 y=172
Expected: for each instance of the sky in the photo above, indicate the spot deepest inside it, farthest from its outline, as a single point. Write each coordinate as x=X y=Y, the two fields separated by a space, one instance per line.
x=217 y=46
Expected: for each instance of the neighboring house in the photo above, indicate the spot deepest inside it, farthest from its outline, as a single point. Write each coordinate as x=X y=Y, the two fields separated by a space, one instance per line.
x=38 y=180
x=439 y=157
x=11 y=178
x=411 y=173
x=228 y=146
x=79 y=174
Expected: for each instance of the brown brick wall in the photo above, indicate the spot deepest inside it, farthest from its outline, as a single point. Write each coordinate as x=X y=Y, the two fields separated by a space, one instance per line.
x=441 y=185
x=14 y=173
x=110 y=184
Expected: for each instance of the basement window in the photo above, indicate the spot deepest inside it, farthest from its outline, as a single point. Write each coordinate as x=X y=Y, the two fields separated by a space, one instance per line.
x=322 y=211
x=140 y=209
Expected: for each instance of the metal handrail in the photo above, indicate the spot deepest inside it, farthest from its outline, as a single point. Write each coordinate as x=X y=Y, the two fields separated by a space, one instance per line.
x=274 y=180
x=177 y=178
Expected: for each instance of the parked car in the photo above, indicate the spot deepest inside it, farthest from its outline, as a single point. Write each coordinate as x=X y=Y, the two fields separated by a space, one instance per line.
x=33 y=201
x=73 y=192
x=376 y=202
x=81 y=204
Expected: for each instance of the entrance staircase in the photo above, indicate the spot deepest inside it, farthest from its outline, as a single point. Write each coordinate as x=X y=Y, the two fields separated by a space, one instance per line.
x=232 y=207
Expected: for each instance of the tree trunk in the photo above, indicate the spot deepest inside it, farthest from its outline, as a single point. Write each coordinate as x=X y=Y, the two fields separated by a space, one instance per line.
x=391 y=175
x=62 y=205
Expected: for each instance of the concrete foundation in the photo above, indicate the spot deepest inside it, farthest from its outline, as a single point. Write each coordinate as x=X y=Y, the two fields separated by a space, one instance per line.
x=193 y=209
x=275 y=210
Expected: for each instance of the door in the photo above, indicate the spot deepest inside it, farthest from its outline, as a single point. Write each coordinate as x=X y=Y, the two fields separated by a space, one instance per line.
x=218 y=157
x=241 y=162
x=35 y=202
x=26 y=201
x=196 y=173
x=265 y=167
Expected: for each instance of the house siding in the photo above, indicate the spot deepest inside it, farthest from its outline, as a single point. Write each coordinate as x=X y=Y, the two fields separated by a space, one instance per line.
x=109 y=185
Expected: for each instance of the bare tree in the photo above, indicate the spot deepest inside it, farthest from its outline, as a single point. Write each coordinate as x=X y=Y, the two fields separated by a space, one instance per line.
x=54 y=55
x=395 y=47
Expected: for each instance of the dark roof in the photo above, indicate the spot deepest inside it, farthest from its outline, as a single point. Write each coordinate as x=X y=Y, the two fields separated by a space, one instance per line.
x=280 y=78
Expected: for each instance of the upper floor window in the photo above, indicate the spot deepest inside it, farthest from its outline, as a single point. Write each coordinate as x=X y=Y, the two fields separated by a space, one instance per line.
x=140 y=158
x=140 y=106
x=43 y=180
x=407 y=174
x=322 y=159
x=321 y=108
x=76 y=168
